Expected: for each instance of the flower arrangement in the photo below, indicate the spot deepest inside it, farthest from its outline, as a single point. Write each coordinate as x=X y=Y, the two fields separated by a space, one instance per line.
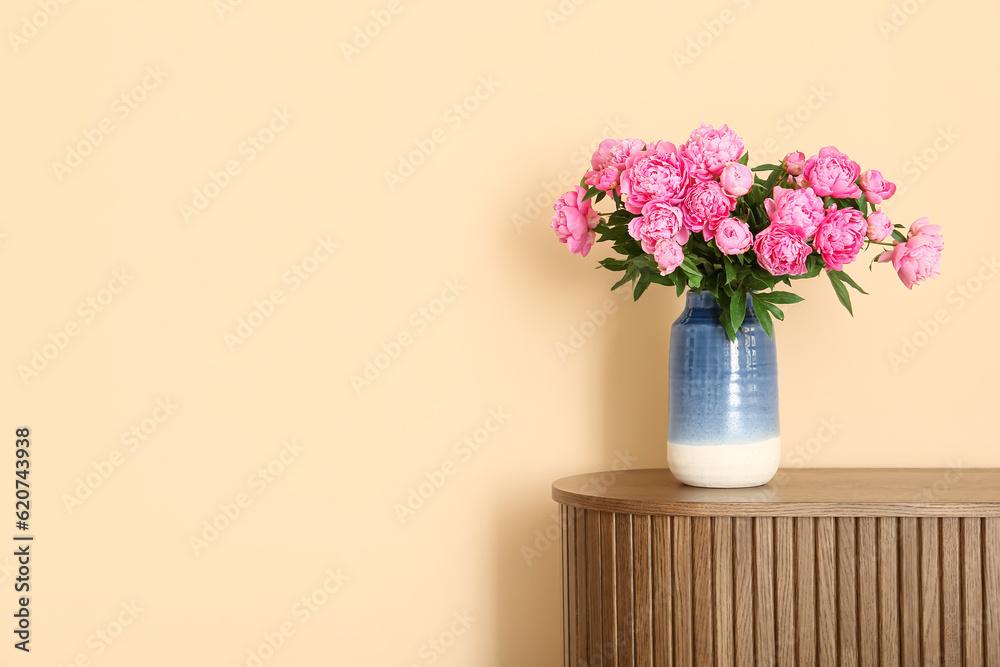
x=696 y=216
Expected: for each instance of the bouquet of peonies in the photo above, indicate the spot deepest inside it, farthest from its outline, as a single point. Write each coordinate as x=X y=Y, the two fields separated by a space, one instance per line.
x=696 y=216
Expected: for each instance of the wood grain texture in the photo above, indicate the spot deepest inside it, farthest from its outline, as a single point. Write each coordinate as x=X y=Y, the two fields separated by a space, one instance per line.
x=643 y=590
x=580 y=613
x=951 y=592
x=722 y=547
x=930 y=587
x=847 y=591
x=566 y=543
x=826 y=590
x=594 y=602
x=836 y=492
x=888 y=591
x=663 y=613
x=701 y=563
x=625 y=603
x=609 y=592
x=743 y=589
x=784 y=593
x=571 y=541
x=660 y=590
x=972 y=592
x=867 y=537
x=805 y=543
x=683 y=601
x=909 y=592
x=764 y=589
x=991 y=573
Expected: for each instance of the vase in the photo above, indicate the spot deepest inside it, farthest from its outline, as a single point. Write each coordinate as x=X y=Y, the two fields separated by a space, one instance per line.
x=722 y=430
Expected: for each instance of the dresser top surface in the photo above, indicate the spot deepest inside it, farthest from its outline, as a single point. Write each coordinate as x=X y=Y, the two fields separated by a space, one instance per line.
x=927 y=492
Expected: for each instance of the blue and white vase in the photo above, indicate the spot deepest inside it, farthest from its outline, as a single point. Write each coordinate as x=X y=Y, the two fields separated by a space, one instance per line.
x=723 y=425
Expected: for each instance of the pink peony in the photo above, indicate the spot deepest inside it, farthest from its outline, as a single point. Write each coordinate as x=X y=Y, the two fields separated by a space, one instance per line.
x=668 y=255
x=659 y=173
x=609 y=160
x=575 y=220
x=832 y=173
x=794 y=163
x=782 y=249
x=840 y=237
x=736 y=179
x=875 y=187
x=795 y=181
x=605 y=179
x=659 y=220
x=709 y=150
x=919 y=257
x=733 y=237
x=706 y=202
x=614 y=153
x=795 y=207
x=879 y=226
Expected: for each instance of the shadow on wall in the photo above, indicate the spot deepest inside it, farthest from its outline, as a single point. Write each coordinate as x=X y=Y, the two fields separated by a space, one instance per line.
x=632 y=347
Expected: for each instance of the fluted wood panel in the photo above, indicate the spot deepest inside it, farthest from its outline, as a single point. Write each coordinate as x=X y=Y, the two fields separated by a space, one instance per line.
x=652 y=591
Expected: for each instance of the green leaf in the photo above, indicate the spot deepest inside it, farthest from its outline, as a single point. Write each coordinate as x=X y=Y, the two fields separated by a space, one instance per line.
x=779 y=297
x=630 y=274
x=617 y=233
x=730 y=269
x=621 y=217
x=694 y=275
x=769 y=307
x=591 y=193
x=614 y=264
x=668 y=279
x=815 y=264
x=841 y=290
x=644 y=262
x=640 y=287
x=628 y=247
x=745 y=158
x=725 y=317
x=862 y=205
x=621 y=282
x=680 y=281
x=737 y=309
x=899 y=237
x=617 y=197
x=765 y=323
x=849 y=280
x=689 y=266
x=766 y=167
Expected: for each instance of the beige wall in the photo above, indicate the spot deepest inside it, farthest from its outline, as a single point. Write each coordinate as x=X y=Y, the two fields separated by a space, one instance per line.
x=499 y=291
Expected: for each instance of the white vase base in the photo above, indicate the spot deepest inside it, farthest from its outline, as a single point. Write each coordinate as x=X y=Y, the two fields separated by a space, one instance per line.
x=725 y=466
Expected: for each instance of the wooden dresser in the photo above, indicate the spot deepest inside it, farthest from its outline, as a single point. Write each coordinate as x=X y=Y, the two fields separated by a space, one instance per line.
x=819 y=567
